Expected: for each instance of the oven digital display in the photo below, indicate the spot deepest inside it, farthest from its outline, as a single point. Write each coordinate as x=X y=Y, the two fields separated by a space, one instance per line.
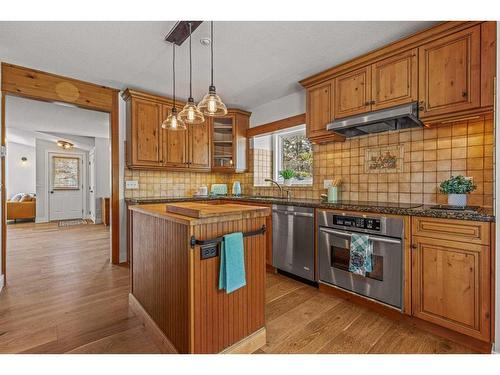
x=357 y=222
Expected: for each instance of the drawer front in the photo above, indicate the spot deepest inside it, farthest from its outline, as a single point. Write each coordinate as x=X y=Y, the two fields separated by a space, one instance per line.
x=453 y=230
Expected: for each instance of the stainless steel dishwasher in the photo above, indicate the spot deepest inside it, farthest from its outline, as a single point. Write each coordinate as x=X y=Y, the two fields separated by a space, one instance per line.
x=293 y=240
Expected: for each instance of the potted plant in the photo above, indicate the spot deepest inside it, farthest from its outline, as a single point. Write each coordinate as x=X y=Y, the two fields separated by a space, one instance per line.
x=287 y=175
x=301 y=175
x=457 y=188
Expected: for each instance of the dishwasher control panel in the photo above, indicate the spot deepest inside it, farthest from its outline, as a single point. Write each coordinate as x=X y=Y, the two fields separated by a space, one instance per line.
x=357 y=222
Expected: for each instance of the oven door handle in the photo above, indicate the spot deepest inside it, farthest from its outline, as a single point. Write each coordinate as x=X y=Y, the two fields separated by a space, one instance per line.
x=370 y=237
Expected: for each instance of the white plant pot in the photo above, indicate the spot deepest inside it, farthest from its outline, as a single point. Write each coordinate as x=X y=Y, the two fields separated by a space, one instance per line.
x=288 y=182
x=457 y=199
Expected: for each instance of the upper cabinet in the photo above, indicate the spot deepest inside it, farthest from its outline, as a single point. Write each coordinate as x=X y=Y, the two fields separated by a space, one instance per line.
x=175 y=145
x=353 y=93
x=319 y=109
x=229 y=141
x=149 y=146
x=394 y=80
x=449 y=73
x=448 y=69
x=144 y=131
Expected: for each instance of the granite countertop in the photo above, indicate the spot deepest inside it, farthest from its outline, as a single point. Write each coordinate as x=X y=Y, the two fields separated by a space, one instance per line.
x=479 y=214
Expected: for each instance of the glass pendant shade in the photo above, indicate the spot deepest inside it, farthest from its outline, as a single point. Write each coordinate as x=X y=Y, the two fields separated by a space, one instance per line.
x=173 y=121
x=190 y=114
x=212 y=105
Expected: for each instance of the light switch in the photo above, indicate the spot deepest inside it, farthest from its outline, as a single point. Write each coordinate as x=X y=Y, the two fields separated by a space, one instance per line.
x=327 y=183
x=131 y=184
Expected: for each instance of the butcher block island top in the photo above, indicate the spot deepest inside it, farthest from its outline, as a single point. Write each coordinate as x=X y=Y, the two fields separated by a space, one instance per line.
x=175 y=261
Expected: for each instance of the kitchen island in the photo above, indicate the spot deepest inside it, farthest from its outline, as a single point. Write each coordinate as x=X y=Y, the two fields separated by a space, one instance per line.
x=175 y=276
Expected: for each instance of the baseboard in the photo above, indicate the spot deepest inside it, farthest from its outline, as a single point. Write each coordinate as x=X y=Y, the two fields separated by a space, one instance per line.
x=156 y=333
x=2 y=282
x=249 y=344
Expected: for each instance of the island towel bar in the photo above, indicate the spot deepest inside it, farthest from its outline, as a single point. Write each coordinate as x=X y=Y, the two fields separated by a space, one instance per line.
x=218 y=240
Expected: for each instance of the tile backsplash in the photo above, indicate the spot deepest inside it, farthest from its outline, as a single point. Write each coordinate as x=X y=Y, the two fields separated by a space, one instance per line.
x=431 y=155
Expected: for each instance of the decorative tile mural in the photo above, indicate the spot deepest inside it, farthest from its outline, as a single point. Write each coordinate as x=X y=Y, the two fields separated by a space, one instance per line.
x=387 y=159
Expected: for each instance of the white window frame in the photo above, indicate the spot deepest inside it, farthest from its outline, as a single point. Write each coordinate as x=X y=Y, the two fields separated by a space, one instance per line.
x=277 y=139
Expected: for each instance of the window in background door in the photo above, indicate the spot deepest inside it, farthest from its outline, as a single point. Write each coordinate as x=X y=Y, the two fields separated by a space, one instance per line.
x=65 y=173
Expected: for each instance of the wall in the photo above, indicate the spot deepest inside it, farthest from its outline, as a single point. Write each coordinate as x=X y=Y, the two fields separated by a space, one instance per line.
x=42 y=178
x=497 y=207
x=431 y=155
x=170 y=184
x=20 y=175
x=102 y=152
x=287 y=106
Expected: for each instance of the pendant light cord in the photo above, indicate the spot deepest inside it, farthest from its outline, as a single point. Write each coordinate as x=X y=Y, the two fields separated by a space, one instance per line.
x=173 y=69
x=190 y=65
x=212 y=52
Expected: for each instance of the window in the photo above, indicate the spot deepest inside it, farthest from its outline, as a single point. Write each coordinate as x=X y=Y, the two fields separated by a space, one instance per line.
x=65 y=173
x=292 y=150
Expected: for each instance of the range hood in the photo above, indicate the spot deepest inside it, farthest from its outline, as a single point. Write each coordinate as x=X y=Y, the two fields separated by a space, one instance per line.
x=394 y=118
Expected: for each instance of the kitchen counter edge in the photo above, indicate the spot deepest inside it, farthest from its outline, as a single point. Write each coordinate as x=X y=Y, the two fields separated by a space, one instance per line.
x=482 y=214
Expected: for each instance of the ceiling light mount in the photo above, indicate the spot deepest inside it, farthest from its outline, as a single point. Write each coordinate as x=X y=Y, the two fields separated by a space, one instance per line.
x=65 y=144
x=180 y=32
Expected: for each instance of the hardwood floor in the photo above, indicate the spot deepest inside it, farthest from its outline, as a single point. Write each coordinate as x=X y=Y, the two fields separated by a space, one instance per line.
x=63 y=296
x=301 y=319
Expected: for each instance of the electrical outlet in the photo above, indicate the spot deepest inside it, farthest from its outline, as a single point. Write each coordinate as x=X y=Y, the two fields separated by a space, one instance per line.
x=327 y=183
x=132 y=185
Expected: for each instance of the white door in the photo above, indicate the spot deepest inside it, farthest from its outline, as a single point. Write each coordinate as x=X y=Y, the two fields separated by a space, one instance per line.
x=66 y=191
x=92 y=201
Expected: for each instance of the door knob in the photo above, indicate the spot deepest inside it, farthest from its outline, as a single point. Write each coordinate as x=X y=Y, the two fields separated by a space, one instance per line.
x=52 y=192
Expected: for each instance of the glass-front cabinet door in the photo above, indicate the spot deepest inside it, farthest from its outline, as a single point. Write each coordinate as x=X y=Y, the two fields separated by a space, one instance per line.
x=223 y=143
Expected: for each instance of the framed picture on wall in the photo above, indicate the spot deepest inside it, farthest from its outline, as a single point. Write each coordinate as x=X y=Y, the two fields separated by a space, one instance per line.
x=65 y=173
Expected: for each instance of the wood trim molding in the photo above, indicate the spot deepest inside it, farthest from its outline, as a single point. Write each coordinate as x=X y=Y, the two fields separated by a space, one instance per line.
x=38 y=85
x=277 y=125
x=249 y=344
x=157 y=335
x=409 y=42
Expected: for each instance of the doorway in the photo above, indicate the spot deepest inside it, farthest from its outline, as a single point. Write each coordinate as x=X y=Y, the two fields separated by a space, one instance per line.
x=41 y=86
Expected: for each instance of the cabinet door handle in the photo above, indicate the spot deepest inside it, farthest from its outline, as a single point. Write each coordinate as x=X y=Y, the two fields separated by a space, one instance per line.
x=367 y=103
x=373 y=102
x=464 y=94
x=414 y=246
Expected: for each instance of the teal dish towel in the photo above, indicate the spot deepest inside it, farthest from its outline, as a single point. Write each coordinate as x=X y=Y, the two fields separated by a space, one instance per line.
x=232 y=263
x=361 y=251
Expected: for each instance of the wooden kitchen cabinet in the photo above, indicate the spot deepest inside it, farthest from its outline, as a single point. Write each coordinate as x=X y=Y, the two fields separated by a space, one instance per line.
x=449 y=73
x=394 y=80
x=199 y=146
x=448 y=69
x=149 y=146
x=319 y=109
x=229 y=141
x=174 y=146
x=451 y=279
x=144 y=132
x=353 y=93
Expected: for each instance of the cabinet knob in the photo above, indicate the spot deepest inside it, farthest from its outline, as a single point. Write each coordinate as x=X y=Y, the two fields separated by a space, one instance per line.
x=414 y=246
x=464 y=94
x=367 y=103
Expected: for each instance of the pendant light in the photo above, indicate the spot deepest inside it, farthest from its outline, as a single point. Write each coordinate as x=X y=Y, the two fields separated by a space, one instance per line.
x=173 y=121
x=190 y=114
x=212 y=105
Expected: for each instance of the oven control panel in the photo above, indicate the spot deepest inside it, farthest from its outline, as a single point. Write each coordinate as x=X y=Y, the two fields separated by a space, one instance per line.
x=357 y=222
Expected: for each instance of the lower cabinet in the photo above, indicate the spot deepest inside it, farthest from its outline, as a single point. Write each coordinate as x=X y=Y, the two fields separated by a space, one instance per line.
x=451 y=280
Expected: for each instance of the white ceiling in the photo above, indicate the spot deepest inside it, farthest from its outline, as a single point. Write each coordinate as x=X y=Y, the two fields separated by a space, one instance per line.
x=255 y=62
x=25 y=117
